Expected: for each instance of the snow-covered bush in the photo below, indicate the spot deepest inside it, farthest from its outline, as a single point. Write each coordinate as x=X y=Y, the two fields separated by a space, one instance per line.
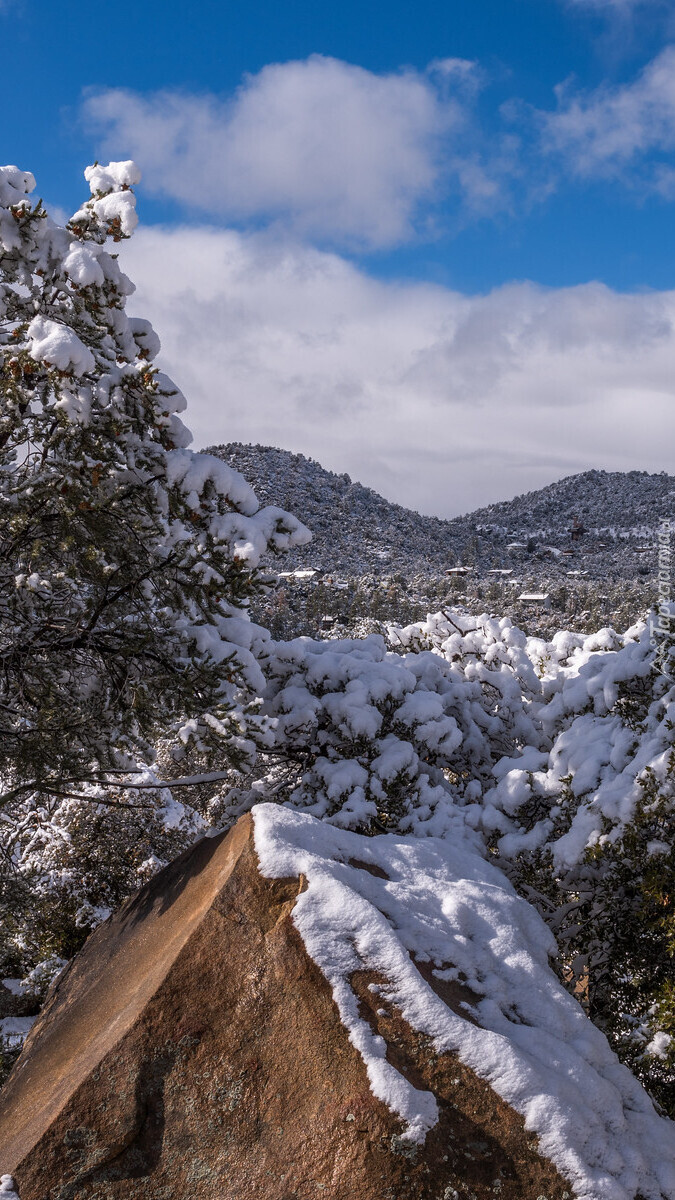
x=374 y=739
x=359 y=734
x=582 y=815
x=73 y=863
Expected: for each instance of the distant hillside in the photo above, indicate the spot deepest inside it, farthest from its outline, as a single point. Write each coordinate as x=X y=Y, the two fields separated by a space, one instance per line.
x=357 y=532
x=614 y=502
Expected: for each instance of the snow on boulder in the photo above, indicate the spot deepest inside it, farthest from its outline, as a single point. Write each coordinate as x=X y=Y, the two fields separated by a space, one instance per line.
x=196 y=1048
x=424 y=912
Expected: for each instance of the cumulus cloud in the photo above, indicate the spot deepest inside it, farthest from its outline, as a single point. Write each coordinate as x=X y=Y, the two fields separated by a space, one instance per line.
x=329 y=149
x=337 y=155
x=439 y=400
x=605 y=131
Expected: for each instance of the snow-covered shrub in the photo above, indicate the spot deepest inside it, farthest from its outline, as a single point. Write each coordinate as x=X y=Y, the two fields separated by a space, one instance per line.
x=359 y=733
x=373 y=740
x=581 y=815
x=73 y=862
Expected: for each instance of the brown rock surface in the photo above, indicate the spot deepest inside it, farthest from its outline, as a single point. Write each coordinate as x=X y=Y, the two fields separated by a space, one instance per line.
x=193 y=1050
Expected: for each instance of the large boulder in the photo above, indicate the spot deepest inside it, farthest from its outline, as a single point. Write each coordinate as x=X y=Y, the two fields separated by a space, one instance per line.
x=202 y=1045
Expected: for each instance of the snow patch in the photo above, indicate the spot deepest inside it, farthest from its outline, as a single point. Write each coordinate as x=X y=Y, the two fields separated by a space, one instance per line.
x=16 y=1029
x=58 y=346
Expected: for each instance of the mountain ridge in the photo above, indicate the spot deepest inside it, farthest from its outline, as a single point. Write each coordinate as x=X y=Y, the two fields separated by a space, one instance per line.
x=358 y=531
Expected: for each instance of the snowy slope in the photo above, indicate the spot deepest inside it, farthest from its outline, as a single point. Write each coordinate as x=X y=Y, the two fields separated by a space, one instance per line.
x=356 y=531
x=631 y=502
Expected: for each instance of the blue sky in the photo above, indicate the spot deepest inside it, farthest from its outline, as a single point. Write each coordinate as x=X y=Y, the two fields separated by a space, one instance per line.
x=430 y=244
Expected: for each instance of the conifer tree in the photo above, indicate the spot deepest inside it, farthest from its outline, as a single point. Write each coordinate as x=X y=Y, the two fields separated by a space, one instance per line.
x=126 y=560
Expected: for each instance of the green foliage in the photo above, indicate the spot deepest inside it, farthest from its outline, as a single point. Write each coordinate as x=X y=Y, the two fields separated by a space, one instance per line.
x=78 y=861
x=613 y=916
x=123 y=557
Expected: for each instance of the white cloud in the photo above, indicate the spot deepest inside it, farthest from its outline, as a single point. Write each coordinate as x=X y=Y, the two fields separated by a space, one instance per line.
x=440 y=401
x=603 y=132
x=329 y=149
x=336 y=155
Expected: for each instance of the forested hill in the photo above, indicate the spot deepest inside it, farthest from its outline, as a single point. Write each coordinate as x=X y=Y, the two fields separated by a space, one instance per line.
x=607 y=501
x=357 y=531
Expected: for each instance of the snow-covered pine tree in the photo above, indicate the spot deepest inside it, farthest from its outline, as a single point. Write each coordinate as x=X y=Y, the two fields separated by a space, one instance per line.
x=126 y=560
